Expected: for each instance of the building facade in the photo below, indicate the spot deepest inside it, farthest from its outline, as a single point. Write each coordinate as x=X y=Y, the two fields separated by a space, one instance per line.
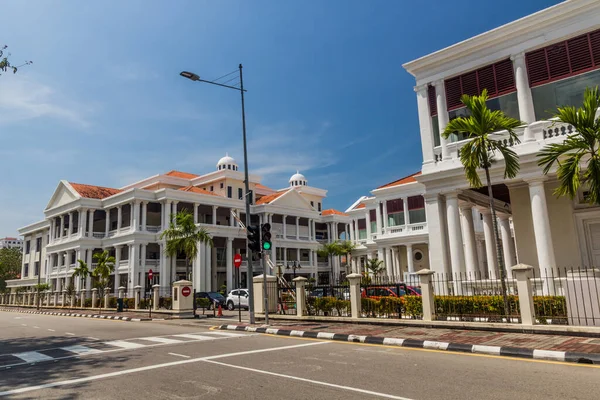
x=83 y=220
x=528 y=66
x=11 y=242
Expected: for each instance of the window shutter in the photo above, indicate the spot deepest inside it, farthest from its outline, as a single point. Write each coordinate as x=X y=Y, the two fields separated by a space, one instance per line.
x=373 y=215
x=537 y=67
x=580 y=55
x=362 y=224
x=416 y=202
x=395 y=206
x=432 y=100
x=469 y=84
x=505 y=77
x=558 y=61
x=453 y=93
x=486 y=79
x=595 y=45
x=561 y=60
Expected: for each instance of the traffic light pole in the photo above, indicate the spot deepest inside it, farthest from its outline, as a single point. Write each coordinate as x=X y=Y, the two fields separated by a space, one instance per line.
x=265 y=292
x=250 y=272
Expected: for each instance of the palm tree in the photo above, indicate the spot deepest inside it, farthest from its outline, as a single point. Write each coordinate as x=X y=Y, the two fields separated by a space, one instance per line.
x=480 y=126
x=330 y=250
x=183 y=236
x=375 y=266
x=580 y=147
x=81 y=272
x=105 y=266
x=346 y=248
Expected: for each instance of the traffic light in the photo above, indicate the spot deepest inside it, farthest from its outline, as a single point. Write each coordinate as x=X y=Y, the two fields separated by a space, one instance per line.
x=254 y=238
x=266 y=236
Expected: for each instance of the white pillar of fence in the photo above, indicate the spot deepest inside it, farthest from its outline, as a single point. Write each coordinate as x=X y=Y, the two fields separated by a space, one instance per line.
x=300 y=295
x=355 y=298
x=121 y=292
x=523 y=274
x=137 y=290
x=106 y=294
x=155 y=300
x=94 y=297
x=425 y=276
x=259 y=297
x=582 y=291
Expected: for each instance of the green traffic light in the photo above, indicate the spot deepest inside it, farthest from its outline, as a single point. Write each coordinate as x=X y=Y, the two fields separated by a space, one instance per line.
x=266 y=246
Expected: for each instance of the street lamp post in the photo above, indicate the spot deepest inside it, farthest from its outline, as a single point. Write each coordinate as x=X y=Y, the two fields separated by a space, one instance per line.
x=196 y=78
x=294 y=266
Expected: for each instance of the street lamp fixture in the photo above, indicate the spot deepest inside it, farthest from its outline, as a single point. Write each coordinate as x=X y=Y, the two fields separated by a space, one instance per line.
x=294 y=266
x=196 y=78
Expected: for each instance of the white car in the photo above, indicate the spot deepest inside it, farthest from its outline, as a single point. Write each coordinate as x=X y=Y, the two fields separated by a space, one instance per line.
x=237 y=298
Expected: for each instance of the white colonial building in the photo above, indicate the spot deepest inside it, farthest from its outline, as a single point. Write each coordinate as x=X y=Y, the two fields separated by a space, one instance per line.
x=82 y=220
x=528 y=66
x=11 y=242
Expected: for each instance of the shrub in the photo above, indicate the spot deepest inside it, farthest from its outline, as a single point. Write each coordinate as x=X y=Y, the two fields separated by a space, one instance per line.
x=203 y=303
x=165 y=302
x=87 y=302
x=325 y=305
x=112 y=302
x=342 y=307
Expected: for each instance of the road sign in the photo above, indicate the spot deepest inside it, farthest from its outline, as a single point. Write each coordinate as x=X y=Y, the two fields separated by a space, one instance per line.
x=237 y=260
x=150 y=273
x=186 y=291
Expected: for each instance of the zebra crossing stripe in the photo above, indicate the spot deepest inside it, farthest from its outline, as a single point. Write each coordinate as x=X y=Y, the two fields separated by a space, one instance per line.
x=32 y=356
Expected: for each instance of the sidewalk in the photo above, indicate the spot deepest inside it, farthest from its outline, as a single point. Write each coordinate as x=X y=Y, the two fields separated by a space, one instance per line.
x=552 y=347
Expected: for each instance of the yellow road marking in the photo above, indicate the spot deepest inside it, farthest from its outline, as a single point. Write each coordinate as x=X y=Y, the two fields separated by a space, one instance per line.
x=447 y=352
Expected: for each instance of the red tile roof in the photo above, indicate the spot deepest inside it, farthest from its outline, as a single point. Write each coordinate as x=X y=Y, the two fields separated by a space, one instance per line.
x=259 y=186
x=9 y=238
x=401 y=181
x=359 y=206
x=268 y=199
x=179 y=174
x=331 y=211
x=195 y=189
x=93 y=192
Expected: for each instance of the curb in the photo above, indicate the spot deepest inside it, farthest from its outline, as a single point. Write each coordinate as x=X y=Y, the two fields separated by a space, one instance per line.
x=564 y=356
x=113 y=317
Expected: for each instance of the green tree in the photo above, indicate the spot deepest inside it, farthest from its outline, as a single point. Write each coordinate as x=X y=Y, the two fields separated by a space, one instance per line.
x=480 y=126
x=81 y=272
x=5 y=64
x=105 y=266
x=330 y=250
x=10 y=265
x=581 y=148
x=346 y=247
x=183 y=237
x=375 y=266
x=39 y=288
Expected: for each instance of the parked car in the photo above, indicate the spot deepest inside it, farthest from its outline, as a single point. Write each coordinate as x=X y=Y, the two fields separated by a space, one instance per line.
x=237 y=298
x=216 y=299
x=376 y=292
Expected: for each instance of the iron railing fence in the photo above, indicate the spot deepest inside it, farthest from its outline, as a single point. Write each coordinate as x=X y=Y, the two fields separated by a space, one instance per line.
x=567 y=296
x=391 y=300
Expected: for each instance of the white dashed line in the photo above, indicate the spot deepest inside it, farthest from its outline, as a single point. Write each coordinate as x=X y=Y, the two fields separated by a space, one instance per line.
x=32 y=356
x=179 y=355
x=51 y=330
x=69 y=333
x=93 y=338
x=36 y=327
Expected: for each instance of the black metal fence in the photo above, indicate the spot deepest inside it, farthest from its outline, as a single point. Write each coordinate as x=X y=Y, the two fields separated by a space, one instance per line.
x=390 y=300
x=330 y=300
x=567 y=296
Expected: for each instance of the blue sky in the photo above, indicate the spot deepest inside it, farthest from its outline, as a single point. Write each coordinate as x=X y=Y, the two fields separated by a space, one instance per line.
x=103 y=102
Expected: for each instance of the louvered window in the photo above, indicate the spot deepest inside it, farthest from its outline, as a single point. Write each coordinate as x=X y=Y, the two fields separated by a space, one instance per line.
x=394 y=206
x=432 y=100
x=564 y=59
x=498 y=79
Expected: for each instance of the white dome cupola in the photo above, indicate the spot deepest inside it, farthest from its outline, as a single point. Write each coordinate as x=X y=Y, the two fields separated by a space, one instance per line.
x=298 y=180
x=227 y=163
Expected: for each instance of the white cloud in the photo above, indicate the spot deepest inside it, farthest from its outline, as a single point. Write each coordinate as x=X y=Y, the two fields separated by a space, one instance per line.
x=23 y=99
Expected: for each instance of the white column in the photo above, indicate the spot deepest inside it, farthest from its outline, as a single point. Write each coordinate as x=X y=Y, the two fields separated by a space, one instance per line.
x=174 y=205
x=82 y=221
x=481 y=261
x=310 y=258
x=167 y=210
x=208 y=267
x=468 y=231
x=231 y=219
x=70 y=224
x=457 y=256
x=380 y=254
x=524 y=98
x=297 y=228
x=409 y=259
x=62 y=226
x=490 y=244
x=378 y=218
x=385 y=215
x=347 y=231
x=397 y=265
x=405 y=211
x=144 y=215
x=107 y=222
x=229 y=263
x=314 y=229
x=508 y=245
x=389 y=267
x=139 y=268
x=368 y=221
x=117 y=262
x=90 y=227
x=119 y=218
x=135 y=210
x=284 y=251
x=88 y=280
x=425 y=124
x=143 y=254
x=541 y=228
x=352 y=237
x=214 y=215
x=443 y=118
x=163 y=277
x=196 y=213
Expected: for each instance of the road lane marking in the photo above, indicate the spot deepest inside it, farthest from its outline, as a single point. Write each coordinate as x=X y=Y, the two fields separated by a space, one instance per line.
x=69 y=333
x=228 y=334
x=51 y=330
x=192 y=336
x=81 y=350
x=36 y=327
x=32 y=356
x=147 y=368
x=179 y=355
x=297 y=378
x=125 y=345
x=160 y=340
x=24 y=324
x=93 y=338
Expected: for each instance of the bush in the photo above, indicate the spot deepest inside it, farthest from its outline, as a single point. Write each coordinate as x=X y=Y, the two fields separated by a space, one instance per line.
x=144 y=304
x=112 y=302
x=165 y=302
x=87 y=302
x=202 y=303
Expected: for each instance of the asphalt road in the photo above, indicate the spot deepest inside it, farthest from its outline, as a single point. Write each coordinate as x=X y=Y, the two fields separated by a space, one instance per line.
x=75 y=358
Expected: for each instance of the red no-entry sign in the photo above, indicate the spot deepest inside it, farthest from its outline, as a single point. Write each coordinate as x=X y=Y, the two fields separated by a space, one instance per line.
x=150 y=273
x=237 y=260
x=186 y=291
